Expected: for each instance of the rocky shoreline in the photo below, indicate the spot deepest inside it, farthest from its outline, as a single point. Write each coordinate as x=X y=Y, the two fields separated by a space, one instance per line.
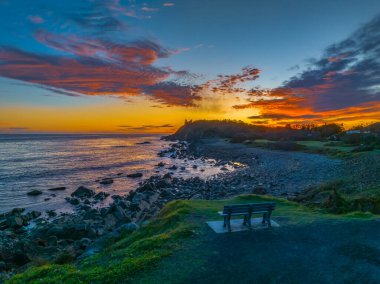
x=66 y=237
x=34 y=238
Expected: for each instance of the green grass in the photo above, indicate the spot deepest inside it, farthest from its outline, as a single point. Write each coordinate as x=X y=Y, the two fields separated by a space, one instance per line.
x=338 y=197
x=178 y=224
x=334 y=149
x=326 y=145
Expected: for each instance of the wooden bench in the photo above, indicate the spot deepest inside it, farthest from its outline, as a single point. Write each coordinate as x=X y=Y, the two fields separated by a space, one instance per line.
x=247 y=210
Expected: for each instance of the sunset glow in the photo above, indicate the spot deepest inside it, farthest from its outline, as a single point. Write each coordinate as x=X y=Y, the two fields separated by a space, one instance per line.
x=126 y=66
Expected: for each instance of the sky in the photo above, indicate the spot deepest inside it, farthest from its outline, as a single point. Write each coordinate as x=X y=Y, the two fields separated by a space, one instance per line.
x=132 y=66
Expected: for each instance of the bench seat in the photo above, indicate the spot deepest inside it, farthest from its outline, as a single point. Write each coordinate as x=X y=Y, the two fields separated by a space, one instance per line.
x=247 y=210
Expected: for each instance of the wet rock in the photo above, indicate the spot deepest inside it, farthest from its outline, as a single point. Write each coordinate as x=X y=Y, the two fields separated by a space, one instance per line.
x=57 y=188
x=167 y=175
x=72 y=200
x=161 y=164
x=195 y=167
x=173 y=168
x=34 y=192
x=183 y=168
x=106 y=181
x=135 y=175
x=101 y=195
x=15 y=221
x=35 y=214
x=51 y=213
x=83 y=192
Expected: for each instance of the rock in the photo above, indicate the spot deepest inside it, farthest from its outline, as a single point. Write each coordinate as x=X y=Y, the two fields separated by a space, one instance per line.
x=72 y=200
x=84 y=243
x=51 y=213
x=83 y=192
x=173 y=168
x=52 y=240
x=34 y=192
x=120 y=214
x=124 y=204
x=183 y=168
x=101 y=195
x=57 y=188
x=163 y=183
x=106 y=181
x=223 y=169
x=143 y=143
x=195 y=167
x=35 y=214
x=15 y=221
x=259 y=190
x=47 y=199
x=109 y=221
x=17 y=210
x=20 y=259
x=196 y=196
x=129 y=227
x=161 y=164
x=135 y=175
x=167 y=175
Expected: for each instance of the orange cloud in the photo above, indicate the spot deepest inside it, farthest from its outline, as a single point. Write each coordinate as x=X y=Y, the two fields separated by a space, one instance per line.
x=96 y=67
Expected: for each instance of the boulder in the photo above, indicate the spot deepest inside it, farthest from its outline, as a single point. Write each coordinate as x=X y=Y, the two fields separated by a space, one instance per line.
x=72 y=200
x=135 y=175
x=57 y=188
x=83 y=192
x=15 y=221
x=259 y=190
x=101 y=195
x=34 y=192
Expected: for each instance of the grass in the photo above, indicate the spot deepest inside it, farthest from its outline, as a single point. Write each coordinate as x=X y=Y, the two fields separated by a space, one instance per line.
x=179 y=224
x=334 y=149
x=338 y=197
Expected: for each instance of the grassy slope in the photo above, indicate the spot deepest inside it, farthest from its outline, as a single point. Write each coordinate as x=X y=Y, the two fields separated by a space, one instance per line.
x=179 y=226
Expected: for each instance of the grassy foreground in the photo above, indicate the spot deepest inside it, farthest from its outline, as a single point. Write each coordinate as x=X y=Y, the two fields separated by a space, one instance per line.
x=179 y=227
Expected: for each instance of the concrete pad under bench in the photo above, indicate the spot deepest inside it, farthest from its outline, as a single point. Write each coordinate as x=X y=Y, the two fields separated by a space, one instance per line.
x=237 y=225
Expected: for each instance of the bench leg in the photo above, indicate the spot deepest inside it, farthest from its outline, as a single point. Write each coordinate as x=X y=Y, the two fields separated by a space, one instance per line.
x=245 y=220
x=229 y=223
x=268 y=218
x=225 y=222
x=249 y=221
x=264 y=218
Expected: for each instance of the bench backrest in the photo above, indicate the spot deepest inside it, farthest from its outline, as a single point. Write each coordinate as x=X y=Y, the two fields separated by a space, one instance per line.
x=250 y=207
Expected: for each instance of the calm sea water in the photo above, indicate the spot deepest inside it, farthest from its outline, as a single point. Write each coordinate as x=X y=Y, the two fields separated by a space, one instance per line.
x=41 y=162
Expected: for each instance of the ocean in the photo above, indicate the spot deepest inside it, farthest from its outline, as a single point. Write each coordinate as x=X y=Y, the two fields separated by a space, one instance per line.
x=42 y=161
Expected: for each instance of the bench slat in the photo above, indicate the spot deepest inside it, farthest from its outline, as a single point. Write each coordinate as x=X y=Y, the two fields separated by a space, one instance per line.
x=246 y=208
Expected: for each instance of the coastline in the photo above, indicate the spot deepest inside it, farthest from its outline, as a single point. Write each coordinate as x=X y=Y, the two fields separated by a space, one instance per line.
x=80 y=234
x=27 y=236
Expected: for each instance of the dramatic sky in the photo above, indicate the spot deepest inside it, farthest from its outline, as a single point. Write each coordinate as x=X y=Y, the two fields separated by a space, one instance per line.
x=146 y=66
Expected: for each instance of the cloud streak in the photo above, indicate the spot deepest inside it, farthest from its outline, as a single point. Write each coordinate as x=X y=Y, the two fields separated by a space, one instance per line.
x=97 y=67
x=347 y=76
